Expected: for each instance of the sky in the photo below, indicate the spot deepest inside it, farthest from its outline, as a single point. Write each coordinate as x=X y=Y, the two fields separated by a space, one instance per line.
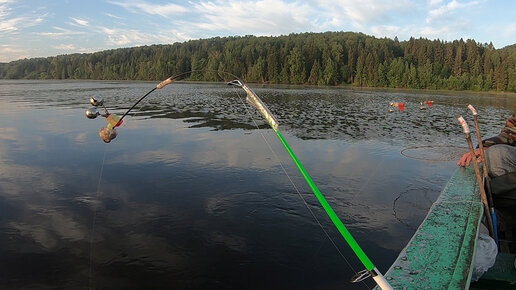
x=35 y=28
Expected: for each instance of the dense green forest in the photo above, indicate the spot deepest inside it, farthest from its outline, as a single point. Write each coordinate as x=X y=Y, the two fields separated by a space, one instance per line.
x=331 y=58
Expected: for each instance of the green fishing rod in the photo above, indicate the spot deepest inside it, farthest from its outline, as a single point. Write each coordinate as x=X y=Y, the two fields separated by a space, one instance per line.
x=371 y=270
x=109 y=133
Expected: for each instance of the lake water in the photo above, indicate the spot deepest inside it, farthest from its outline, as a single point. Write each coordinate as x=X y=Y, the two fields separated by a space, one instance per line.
x=190 y=195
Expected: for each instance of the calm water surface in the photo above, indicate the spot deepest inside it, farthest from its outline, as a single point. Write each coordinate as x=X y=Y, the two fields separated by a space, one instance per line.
x=189 y=195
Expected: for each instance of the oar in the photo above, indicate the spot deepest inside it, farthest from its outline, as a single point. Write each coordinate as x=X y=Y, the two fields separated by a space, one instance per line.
x=255 y=101
x=478 y=175
x=486 y=175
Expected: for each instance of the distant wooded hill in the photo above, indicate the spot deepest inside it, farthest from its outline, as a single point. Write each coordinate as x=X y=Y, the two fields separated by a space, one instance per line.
x=331 y=58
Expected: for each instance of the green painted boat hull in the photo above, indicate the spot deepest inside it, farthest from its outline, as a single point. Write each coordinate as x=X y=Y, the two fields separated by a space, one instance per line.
x=441 y=253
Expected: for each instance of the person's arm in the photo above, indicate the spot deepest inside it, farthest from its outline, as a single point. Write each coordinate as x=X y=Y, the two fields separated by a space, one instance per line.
x=506 y=136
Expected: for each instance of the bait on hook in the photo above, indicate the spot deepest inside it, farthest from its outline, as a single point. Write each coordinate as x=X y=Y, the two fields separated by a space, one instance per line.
x=107 y=133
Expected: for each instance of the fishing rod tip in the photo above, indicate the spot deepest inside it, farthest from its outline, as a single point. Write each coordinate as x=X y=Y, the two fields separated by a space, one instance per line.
x=473 y=110
x=464 y=125
x=235 y=83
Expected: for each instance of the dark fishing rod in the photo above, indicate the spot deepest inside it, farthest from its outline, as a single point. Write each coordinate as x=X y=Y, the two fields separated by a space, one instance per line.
x=109 y=132
x=487 y=179
x=255 y=101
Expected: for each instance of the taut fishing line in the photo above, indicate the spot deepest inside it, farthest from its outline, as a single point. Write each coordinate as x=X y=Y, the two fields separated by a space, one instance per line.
x=276 y=156
x=419 y=205
x=97 y=193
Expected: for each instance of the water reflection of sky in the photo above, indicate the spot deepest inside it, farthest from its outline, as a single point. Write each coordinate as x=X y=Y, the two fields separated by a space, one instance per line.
x=186 y=206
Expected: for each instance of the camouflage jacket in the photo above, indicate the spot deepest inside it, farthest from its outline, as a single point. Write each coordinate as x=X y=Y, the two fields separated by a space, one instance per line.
x=506 y=136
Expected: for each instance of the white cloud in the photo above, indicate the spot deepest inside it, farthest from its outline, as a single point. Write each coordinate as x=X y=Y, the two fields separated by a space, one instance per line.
x=448 y=10
x=166 y=10
x=510 y=30
x=61 y=32
x=120 y=37
x=10 y=52
x=266 y=17
x=390 y=31
x=434 y=2
x=361 y=13
x=446 y=32
x=9 y=24
x=113 y=16
x=69 y=47
x=79 y=22
x=124 y=37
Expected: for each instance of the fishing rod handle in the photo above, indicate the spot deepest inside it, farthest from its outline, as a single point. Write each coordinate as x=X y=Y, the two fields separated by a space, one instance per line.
x=380 y=280
x=473 y=110
x=464 y=125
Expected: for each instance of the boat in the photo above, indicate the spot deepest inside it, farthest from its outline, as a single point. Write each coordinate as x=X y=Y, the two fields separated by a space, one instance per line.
x=441 y=253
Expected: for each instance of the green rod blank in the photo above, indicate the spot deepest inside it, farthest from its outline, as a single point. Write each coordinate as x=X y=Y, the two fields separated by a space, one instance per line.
x=327 y=208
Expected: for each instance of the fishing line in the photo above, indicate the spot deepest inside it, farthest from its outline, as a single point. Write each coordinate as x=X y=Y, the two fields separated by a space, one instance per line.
x=396 y=214
x=293 y=184
x=436 y=153
x=95 y=217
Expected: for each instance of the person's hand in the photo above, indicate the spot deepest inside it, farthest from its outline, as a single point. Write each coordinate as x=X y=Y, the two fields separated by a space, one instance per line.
x=465 y=160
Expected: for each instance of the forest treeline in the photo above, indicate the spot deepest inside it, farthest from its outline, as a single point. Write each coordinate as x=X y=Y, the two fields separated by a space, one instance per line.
x=331 y=58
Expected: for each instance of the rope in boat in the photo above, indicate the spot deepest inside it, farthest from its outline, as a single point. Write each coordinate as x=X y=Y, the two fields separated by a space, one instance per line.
x=276 y=156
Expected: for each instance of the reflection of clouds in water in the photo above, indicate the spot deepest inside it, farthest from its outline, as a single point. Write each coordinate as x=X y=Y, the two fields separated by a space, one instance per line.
x=37 y=233
x=81 y=138
x=230 y=241
x=217 y=205
x=40 y=221
x=234 y=149
x=139 y=249
x=22 y=180
x=48 y=227
x=10 y=134
x=147 y=157
x=11 y=109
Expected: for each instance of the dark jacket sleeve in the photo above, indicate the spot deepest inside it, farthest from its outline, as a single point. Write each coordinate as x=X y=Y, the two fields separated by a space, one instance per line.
x=506 y=136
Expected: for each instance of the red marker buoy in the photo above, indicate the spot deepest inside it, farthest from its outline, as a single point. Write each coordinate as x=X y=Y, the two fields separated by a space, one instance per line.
x=429 y=103
x=401 y=106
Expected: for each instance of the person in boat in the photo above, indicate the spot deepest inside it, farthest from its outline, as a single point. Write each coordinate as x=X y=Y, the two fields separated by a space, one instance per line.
x=500 y=150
